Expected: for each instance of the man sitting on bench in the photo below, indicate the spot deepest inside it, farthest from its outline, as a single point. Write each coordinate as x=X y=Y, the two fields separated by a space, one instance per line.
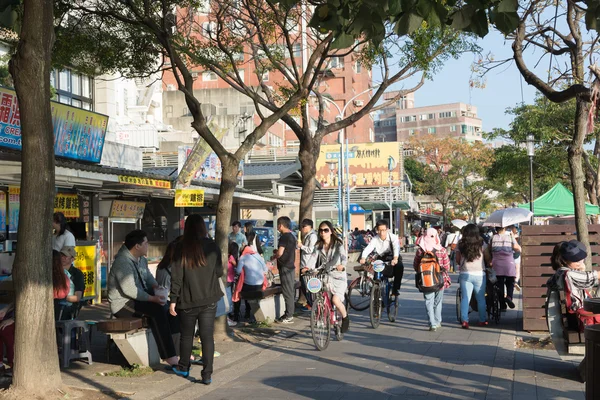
x=131 y=292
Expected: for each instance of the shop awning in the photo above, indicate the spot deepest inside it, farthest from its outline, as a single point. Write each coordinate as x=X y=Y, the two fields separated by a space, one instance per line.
x=558 y=201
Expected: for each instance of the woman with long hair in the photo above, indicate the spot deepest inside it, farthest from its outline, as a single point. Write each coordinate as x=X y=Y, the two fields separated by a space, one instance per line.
x=471 y=264
x=62 y=236
x=332 y=256
x=195 y=272
x=253 y=241
x=60 y=281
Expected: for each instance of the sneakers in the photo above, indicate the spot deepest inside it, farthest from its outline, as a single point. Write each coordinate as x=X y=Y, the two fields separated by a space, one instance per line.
x=433 y=328
x=306 y=308
x=345 y=324
x=230 y=322
x=206 y=379
x=484 y=323
x=465 y=325
x=510 y=303
x=286 y=320
x=179 y=372
x=517 y=287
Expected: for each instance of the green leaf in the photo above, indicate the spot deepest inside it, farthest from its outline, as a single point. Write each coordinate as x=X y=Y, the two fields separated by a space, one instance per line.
x=395 y=7
x=424 y=8
x=506 y=22
x=479 y=24
x=508 y=6
x=343 y=41
x=461 y=19
x=408 y=23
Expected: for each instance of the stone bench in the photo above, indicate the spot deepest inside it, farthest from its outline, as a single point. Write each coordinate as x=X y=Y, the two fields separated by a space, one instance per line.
x=268 y=304
x=136 y=343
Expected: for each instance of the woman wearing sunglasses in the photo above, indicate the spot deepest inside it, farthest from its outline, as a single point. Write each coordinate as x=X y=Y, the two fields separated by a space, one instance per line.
x=332 y=256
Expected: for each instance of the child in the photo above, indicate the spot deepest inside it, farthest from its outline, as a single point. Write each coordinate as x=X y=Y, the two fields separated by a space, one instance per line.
x=233 y=251
x=568 y=262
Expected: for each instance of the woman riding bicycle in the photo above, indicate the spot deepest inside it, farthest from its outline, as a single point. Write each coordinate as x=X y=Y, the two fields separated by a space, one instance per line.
x=332 y=256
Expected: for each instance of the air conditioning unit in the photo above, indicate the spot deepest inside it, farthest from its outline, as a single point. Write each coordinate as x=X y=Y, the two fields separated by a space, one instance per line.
x=170 y=87
x=359 y=103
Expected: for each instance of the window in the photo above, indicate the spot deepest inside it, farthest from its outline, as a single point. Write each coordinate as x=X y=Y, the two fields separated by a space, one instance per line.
x=452 y=128
x=357 y=67
x=64 y=99
x=209 y=29
x=204 y=7
x=64 y=81
x=411 y=132
x=76 y=103
x=297 y=50
x=186 y=112
x=431 y=116
x=52 y=79
x=126 y=101
x=241 y=74
x=85 y=87
x=423 y=117
x=209 y=76
x=431 y=130
x=75 y=84
x=336 y=62
x=447 y=114
x=291 y=25
x=371 y=135
x=86 y=106
x=265 y=76
x=463 y=129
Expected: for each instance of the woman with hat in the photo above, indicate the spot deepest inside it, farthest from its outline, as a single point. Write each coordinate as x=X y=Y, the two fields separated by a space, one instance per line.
x=430 y=243
x=568 y=260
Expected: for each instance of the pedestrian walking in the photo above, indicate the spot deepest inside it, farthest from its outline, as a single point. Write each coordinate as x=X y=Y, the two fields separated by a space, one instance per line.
x=501 y=249
x=286 y=258
x=470 y=259
x=195 y=291
x=430 y=243
x=307 y=256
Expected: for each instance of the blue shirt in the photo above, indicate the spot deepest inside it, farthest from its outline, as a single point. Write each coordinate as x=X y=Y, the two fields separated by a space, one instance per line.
x=254 y=269
x=239 y=238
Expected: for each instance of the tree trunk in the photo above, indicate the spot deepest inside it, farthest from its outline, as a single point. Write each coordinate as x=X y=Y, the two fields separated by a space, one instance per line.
x=308 y=155
x=224 y=207
x=35 y=338
x=577 y=175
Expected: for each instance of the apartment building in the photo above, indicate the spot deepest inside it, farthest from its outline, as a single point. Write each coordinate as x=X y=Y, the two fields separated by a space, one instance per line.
x=443 y=120
x=343 y=83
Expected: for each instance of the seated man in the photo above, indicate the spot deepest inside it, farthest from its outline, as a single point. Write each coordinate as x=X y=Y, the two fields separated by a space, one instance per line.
x=386 y=245
x=131 y=292
x=67 y=256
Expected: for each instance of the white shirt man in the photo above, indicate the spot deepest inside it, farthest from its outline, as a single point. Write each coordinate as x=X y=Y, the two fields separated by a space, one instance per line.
x=384 y=242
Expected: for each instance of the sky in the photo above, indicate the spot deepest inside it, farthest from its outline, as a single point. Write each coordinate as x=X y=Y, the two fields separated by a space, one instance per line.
x=503 y=85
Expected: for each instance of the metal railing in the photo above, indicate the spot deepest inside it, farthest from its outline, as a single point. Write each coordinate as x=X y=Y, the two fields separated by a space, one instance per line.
x=159 y=159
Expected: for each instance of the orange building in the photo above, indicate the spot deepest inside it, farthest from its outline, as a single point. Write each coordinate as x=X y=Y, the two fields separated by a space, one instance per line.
x=341 y=82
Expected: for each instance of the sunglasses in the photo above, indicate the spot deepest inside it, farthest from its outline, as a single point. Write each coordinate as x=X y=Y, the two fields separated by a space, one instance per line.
x=326 y=230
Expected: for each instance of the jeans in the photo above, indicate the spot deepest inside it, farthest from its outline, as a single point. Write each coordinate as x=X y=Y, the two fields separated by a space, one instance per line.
x=509 y=282
x=205 y=316
x=307 y=295
x=288 y=286
x=159 y=324
x=470 y=284
x=433 y=304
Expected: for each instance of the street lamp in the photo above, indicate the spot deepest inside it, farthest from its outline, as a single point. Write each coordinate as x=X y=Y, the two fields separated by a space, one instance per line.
x=530 y=153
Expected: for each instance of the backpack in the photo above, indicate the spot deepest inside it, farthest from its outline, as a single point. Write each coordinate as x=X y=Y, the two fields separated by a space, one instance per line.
x=429 y=277
x=584 y=318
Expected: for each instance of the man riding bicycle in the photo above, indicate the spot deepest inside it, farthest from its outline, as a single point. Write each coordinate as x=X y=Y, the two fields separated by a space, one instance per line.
x=386 y=246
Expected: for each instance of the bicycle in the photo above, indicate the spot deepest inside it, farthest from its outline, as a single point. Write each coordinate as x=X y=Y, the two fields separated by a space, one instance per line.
x=358 y=296
x=381 y=295
x=324 y=313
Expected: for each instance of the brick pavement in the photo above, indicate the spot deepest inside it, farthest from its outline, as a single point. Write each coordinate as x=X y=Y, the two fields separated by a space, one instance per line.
x=398 y=360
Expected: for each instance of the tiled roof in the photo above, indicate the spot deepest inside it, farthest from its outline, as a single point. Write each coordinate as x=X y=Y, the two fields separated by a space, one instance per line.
x=282 y=169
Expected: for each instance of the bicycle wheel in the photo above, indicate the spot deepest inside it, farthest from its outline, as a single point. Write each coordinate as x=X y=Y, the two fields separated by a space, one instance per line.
x=458 y=296
x=392 y=304
x=339 y=335
x=375 y=305
x=320 y=324
x=359 y=294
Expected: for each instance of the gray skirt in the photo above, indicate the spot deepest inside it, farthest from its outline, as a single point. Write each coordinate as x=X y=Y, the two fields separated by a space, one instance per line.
x=338 y=283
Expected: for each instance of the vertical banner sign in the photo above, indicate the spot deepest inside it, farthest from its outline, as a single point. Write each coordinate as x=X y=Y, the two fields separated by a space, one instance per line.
x=14 y=205
x=2 y=211
x=196 y=157
x=86 y=262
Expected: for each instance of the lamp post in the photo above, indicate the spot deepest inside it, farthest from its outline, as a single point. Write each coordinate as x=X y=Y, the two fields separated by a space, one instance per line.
x=530 y=153
x=344 y=182
x=332 y=166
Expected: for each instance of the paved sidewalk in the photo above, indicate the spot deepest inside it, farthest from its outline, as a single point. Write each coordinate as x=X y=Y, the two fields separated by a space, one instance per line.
x=398 y=360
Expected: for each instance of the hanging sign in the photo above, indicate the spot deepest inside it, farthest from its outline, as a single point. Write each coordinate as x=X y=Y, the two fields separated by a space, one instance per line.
x=149 y=182
x=68 y=204
x=189 y=198
x=127 y=209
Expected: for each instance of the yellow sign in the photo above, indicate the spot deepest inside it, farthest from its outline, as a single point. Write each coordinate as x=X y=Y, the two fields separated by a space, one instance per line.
x=137 y=181
x=68 y=204
x=189 y=198
x=86 y=263
x=14 y=190
x=127 y=209
x=368 y=164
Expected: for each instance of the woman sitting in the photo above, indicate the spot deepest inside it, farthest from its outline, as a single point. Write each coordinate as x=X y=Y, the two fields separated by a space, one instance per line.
x=568 y=260
x=254 y=268
x=61 y=285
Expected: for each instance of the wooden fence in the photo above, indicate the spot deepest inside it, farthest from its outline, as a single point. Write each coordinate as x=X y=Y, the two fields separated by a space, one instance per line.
x=537 y=243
